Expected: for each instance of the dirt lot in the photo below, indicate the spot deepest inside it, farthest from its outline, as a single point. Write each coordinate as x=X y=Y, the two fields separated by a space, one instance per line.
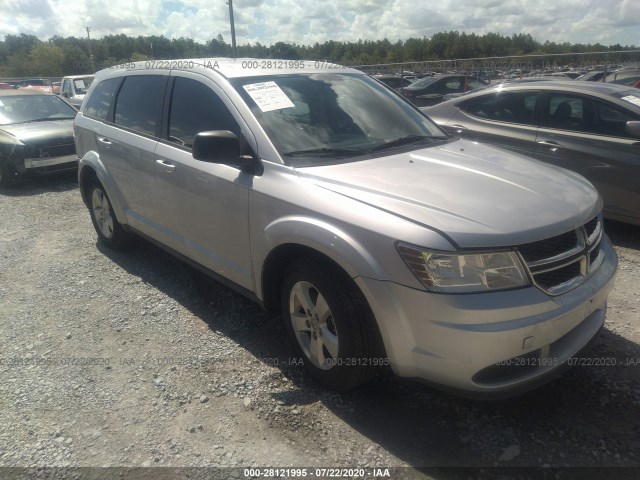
x=135 y=359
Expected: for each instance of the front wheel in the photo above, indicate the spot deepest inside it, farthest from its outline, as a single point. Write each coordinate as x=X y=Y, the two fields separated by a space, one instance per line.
x=8 y=174
x=329 y=325
x=104 y=220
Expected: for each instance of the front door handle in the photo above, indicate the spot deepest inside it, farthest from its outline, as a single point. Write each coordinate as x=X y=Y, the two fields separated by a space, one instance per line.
x=105 y=141
x=166 y=165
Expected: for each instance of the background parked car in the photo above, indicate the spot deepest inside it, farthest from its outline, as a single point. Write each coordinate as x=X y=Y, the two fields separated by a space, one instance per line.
x=39 y=84
x=623 y=76
x=73 y=88
x=395 y=81
x=589 y=127
x=431 y=90
x=595 y=76
x=36 y=135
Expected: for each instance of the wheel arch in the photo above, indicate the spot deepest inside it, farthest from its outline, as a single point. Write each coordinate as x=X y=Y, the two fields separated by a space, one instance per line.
x=91 y=168
x=291 y=237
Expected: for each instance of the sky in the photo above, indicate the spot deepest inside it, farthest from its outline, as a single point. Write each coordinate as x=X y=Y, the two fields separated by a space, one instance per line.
x=308 y=21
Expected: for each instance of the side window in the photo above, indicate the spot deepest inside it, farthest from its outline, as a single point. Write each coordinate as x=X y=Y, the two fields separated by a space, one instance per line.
x=567 y=112
x=512 y=107
x=196 y=108
x=139 y=103
x=452 y=86
x=100 y=101
x=473 y=83
x=611 y=120
x=66 y=87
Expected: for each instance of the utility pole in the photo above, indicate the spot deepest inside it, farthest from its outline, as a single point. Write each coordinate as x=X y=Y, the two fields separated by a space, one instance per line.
x=93 y=67
x=233 y=28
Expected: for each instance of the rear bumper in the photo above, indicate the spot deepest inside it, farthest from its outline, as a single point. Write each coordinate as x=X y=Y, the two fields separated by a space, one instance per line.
x=490 y=344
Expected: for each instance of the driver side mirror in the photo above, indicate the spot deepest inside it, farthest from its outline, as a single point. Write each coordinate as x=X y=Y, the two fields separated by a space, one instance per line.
x=633 y=129
x=223 y=146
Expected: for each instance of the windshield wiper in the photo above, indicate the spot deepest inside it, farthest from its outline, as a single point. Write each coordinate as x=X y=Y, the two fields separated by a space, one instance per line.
x=324 y=152
x=398 y=142
x=48 y=119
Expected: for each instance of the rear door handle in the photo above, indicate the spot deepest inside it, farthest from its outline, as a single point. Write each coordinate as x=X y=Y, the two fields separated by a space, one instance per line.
x=166 y=165
x=105 y=141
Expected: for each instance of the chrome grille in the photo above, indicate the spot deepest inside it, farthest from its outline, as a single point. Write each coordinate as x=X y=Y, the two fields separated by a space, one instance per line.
x=561 y=263
x=57 y=150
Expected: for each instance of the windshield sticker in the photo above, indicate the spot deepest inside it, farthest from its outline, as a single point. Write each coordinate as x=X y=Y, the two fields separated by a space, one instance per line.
x=632 y=99
x=268 y=96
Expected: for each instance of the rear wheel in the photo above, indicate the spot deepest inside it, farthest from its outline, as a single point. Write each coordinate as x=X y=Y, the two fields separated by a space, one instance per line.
x=329 y=325
x=104 y=220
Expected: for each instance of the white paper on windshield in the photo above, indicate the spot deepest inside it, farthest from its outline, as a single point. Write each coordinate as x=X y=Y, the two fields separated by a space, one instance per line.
x=268 y=96
x=632 y=99
x=79 y=83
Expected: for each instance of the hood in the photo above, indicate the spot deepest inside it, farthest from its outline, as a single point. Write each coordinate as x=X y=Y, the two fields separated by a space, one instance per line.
x=53 y=132
x=475 y=195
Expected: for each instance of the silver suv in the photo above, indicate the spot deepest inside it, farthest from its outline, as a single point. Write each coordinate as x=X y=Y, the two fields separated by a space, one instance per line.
x=323 y=195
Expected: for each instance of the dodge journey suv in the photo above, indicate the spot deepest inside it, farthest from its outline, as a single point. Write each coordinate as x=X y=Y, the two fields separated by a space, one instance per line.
x=325 y=196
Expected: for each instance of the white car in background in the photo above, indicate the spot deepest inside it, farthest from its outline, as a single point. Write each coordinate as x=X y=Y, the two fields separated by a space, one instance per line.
x=74 y=87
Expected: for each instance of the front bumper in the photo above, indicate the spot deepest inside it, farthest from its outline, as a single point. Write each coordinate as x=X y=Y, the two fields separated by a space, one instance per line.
x=488 y=344
x=34 y=163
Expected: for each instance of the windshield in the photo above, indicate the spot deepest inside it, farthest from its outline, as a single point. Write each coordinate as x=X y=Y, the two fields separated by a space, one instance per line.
x=36 y=83
x=82 y=84
x=423 y=82
x=631 y=96
x=338 y=116
x=33 y=108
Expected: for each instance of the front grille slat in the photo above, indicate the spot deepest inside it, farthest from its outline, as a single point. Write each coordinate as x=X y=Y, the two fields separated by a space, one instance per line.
x=54 y=150
x=561 y=263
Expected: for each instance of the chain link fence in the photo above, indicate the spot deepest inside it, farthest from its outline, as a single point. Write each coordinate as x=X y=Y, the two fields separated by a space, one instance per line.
x=610 y=66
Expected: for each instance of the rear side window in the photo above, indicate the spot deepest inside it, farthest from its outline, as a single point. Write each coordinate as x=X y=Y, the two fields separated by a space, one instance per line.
x=589 y=115
x=139 y=103
x=196 y=108
x=100 y=101
x=511 y=107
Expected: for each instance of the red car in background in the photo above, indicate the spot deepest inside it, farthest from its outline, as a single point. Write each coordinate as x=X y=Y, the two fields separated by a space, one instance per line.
x=38 y=84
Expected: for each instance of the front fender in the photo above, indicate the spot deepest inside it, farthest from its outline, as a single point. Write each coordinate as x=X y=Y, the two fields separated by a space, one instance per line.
x=325 y=238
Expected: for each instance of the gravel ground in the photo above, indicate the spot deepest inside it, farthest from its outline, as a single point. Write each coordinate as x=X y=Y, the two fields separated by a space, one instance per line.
x=137 y=360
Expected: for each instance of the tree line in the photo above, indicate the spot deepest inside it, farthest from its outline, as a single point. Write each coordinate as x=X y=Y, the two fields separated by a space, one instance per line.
x=26 y=55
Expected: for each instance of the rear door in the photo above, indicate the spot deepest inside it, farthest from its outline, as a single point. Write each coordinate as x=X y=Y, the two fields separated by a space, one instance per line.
x=593 y=142
x=127 y=145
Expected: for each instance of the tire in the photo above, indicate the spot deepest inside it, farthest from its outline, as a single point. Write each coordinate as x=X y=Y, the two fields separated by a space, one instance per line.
x=109 y=230
x=329 y=325
x=8 y=177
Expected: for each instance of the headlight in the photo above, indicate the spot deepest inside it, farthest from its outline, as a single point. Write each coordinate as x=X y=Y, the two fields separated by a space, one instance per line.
x=464 y=273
